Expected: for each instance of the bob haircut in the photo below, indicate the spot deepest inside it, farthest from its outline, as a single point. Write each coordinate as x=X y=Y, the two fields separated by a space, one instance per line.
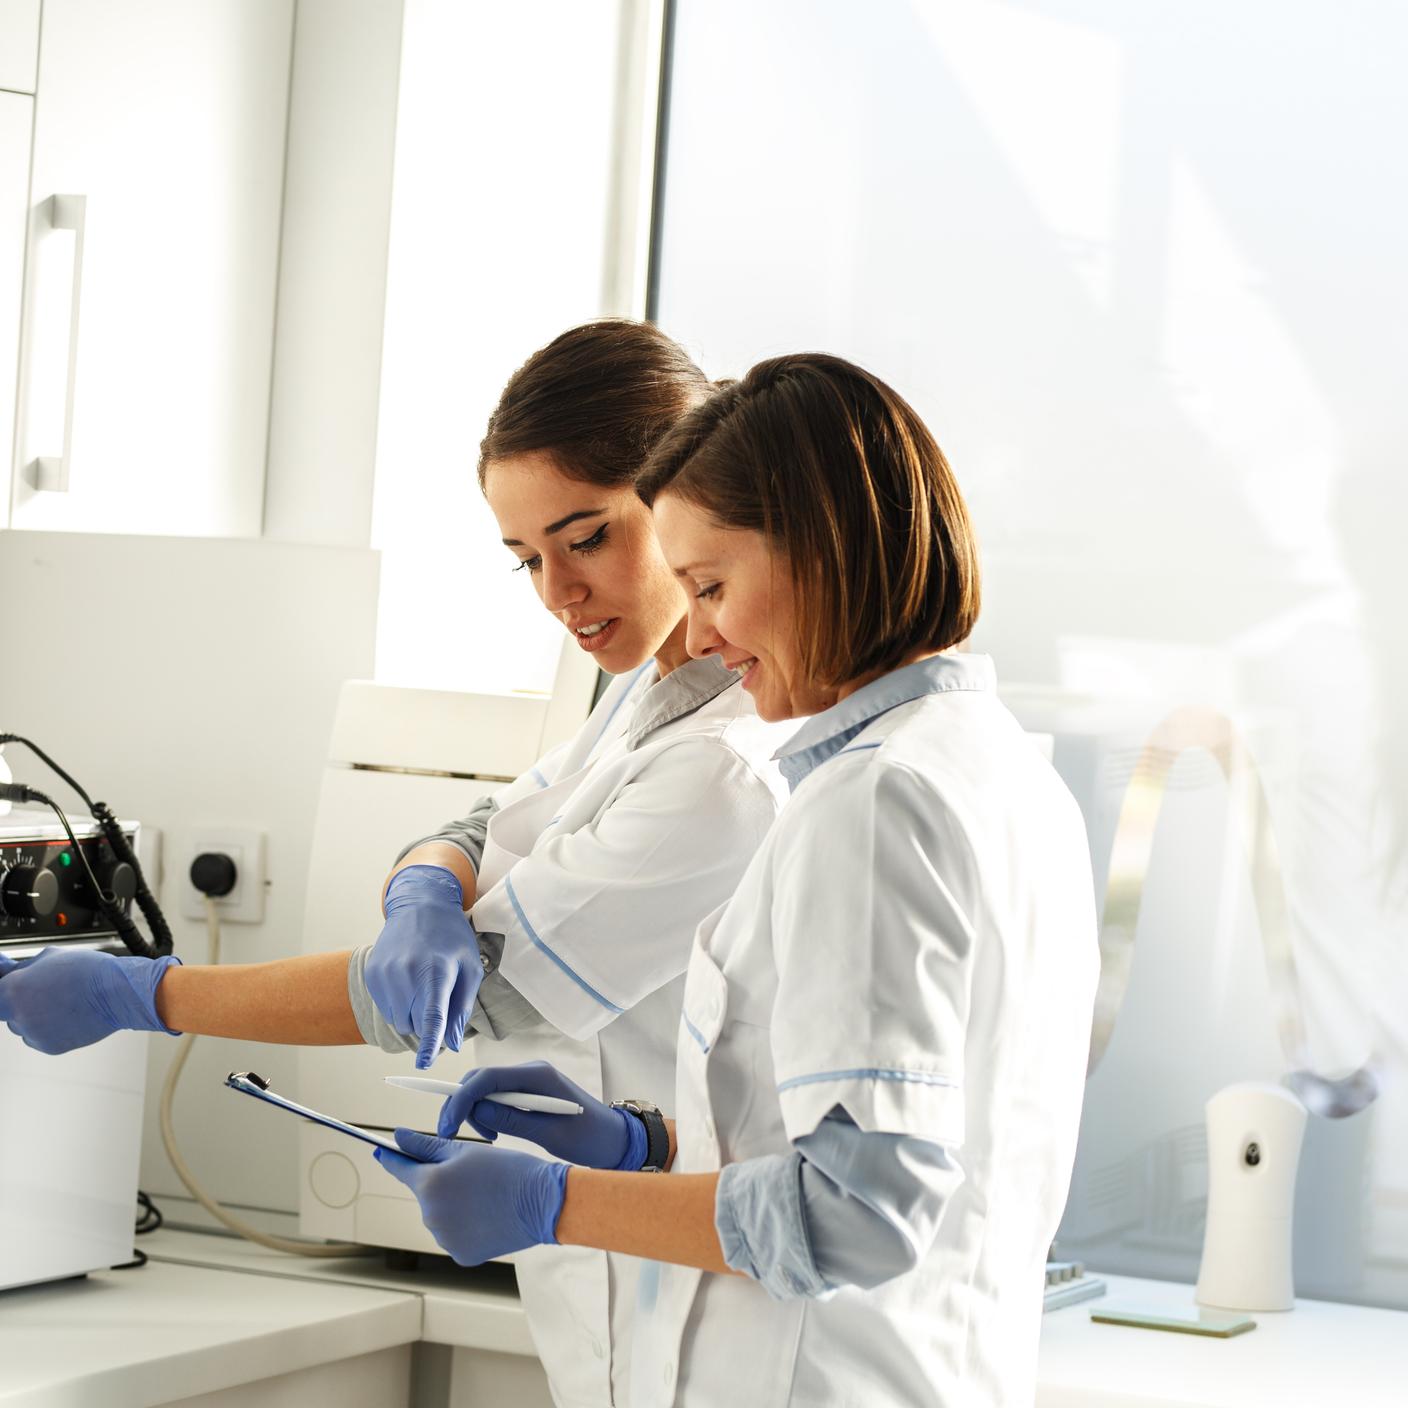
x=836 y=469
x=597 y=398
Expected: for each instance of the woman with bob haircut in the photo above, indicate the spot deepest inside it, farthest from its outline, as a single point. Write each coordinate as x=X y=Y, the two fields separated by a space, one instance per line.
x=556 y=919
x=883 y=1044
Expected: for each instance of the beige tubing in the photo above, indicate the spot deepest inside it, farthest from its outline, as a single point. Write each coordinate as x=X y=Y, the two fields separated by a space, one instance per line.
x=183 y=1171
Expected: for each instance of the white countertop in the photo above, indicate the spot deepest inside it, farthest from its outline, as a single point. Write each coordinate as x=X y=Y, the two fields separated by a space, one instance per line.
x=468 y=1308
x=1319 y=1353
x=189 y=1323
x=125 y=1339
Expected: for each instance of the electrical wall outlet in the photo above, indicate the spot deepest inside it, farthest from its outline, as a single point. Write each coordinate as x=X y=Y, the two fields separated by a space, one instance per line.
x=245 y=903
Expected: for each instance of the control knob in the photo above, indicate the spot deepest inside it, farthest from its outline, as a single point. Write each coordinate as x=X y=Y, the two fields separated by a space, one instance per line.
x=27 y=892
x=116 y=878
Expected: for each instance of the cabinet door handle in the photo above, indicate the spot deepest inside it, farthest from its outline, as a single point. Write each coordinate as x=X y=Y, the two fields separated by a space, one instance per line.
x=50 y=472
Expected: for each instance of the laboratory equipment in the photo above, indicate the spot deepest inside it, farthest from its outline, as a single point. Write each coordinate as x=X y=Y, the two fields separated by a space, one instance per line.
x=100 y=882
x=1069 y=1283
x=71 y=1202
x=1255 y=1131
x=70 y=1126
x=45 y=893
x=400 y=763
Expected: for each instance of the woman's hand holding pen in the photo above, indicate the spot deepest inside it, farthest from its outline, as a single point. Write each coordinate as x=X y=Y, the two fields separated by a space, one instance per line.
x=600 y=1137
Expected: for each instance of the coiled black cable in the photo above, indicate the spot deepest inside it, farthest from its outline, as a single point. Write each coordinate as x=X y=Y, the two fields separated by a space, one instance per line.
x=150 y=1218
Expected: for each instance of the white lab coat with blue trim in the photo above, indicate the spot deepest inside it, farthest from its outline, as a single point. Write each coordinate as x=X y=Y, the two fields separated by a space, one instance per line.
x=598 y=866
x=915 y=943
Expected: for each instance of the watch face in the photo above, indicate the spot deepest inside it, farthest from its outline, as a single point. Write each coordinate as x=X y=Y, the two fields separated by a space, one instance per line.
x=637 y=1107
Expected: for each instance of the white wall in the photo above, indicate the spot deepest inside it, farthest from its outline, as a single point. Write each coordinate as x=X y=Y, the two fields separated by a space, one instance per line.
x=189 y=683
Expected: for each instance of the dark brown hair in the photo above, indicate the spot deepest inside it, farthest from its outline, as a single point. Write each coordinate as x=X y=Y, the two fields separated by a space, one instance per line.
x=598 y=399
x=833 y=466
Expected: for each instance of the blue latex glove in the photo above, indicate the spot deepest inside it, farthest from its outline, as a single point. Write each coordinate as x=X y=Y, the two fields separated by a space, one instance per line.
x=66 y=998
x=424 y=971
x=479 y=1203
x=599 y=1137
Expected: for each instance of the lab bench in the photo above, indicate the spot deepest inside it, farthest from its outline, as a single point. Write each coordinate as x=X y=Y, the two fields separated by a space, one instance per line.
x=212 y=1322
x=215 y=1322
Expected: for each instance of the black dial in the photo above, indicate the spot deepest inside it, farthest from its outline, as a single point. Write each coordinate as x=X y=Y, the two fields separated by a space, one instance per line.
x=27 y=892
x=117 y=879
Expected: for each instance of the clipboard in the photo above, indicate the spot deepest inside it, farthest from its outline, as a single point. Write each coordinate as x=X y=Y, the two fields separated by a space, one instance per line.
x=249 y=1083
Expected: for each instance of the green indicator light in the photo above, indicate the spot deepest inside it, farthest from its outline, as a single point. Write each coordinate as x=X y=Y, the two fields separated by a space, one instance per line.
x=65 y=859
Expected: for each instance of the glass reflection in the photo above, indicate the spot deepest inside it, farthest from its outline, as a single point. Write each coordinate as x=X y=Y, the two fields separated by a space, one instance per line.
x=1140 y=268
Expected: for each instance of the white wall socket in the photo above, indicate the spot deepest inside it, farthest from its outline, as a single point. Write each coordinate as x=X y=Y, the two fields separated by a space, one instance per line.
x=245 y=903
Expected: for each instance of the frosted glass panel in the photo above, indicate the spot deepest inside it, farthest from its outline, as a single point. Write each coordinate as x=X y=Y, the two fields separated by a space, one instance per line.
x=1141 y=269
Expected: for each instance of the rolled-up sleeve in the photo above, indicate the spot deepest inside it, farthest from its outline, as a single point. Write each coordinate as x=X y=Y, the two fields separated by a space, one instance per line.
x=599 y=918
x=846 y=1207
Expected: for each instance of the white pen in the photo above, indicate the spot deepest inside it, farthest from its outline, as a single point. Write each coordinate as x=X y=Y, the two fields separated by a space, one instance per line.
x=516 y=1099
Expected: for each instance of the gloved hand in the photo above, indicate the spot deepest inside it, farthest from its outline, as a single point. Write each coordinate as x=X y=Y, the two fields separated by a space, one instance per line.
x=424 y=970
x=599 y=1137
x=62 y=999
x=479 y=1203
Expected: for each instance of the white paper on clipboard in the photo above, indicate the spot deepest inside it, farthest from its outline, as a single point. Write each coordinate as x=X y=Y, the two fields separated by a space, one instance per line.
x=245 y=1084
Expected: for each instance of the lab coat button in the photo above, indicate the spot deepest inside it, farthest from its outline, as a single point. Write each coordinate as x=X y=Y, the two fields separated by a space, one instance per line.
x=669 y=1373
x=598 y=1349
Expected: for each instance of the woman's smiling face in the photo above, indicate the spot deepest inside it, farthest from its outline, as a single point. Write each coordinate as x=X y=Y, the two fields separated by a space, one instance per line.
x=594 y=560
x=742 y=607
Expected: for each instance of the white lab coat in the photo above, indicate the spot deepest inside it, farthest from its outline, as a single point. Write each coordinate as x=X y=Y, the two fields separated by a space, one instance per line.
x=916 y=943
x=597 y=868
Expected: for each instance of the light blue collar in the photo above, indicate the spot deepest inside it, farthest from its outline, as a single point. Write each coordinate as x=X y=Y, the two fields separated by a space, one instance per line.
x=825 y=734
x=686 y=688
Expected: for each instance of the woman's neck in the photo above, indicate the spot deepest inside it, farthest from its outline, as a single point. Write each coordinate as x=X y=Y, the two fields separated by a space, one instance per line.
x=672 y=653
x=860 y=681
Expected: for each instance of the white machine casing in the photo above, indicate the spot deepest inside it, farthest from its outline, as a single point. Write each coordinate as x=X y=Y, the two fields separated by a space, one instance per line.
x=401 y=762
x=1255 y=1131
x=70 y=1133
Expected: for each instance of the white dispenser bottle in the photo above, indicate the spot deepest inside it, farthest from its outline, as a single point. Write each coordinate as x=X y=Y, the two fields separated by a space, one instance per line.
x=1254 y=1137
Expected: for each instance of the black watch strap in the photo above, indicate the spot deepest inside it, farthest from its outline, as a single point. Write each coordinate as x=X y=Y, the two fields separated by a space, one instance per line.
x=657 y=1137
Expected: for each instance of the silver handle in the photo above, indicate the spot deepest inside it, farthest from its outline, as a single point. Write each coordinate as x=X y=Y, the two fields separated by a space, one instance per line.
x=50 y=472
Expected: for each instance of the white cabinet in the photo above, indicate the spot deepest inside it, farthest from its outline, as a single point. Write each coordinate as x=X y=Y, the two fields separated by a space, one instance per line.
x=16 y=113
x=147 y=337
x=19 y=44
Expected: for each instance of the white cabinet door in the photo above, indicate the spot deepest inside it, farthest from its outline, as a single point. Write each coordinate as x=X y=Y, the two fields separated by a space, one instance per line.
x=16 y=113
x=19 y=44
x=148 y=326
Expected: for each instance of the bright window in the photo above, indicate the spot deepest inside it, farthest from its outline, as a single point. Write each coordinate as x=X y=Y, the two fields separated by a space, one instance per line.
x=498 y=243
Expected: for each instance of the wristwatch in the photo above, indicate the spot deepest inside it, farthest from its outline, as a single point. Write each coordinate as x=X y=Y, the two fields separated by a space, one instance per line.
x=657 y=1137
